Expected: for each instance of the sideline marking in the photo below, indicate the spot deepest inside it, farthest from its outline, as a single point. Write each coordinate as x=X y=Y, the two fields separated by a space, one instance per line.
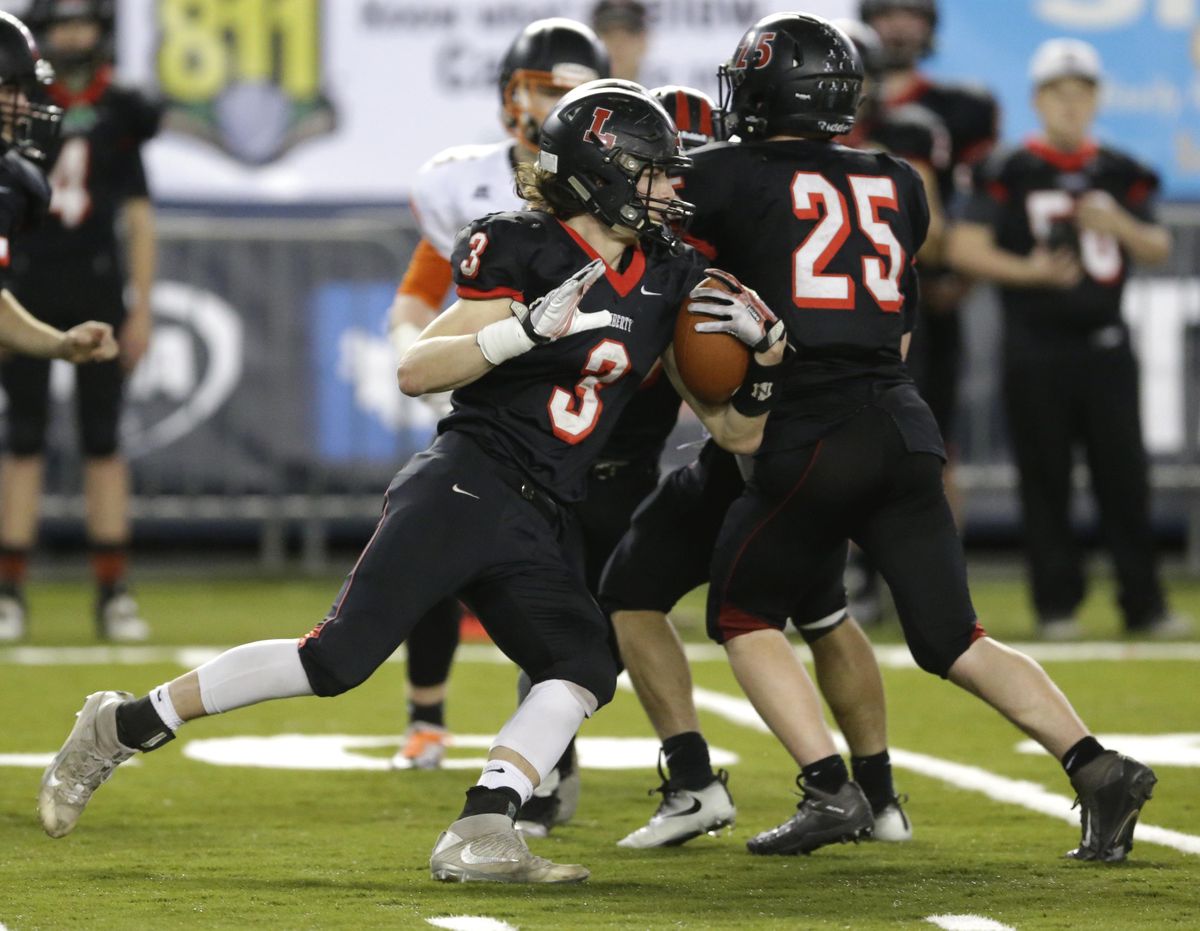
x=967 y=923
x=467 y=923
x=1029 y=795
x=889 y=656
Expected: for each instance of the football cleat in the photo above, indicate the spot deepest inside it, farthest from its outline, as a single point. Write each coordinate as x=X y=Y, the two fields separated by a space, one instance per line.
x=1059 y=629
x=1110 y=791
x=12 y=614
x=891 y=823
x=1170 y=626
x=821 y=818
x=684 y=814
x=118 y=618
x=488 y=848
x=424 y=747
x=84 y=763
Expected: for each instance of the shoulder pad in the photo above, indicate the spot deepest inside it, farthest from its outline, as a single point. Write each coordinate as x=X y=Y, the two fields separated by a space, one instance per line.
x=26 y=176
x=463 y=153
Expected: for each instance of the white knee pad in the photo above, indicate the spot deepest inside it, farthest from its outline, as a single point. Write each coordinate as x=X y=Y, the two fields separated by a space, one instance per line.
x=252 y=673
x=545 y=722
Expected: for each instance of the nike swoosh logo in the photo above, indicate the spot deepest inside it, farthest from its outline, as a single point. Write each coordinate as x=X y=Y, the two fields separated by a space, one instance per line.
x=463 y=491
x=650 y=293
x=691 y=811
x=472 y=859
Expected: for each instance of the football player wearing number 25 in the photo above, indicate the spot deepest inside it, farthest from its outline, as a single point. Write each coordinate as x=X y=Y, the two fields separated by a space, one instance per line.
x=563 y=309
x=851 y=452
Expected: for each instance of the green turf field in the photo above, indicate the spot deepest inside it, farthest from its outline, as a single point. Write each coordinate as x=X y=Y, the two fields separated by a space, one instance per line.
x=176 y=841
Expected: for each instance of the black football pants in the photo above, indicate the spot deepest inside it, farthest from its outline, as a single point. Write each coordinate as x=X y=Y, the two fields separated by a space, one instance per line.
x=1059 y=401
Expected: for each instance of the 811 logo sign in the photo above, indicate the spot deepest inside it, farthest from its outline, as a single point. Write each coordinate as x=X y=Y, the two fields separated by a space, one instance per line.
x=244 y=75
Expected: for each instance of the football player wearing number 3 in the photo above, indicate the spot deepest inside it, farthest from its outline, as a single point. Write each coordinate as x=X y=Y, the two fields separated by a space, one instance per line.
x=1055 y=222
x=563 y=309
x=71 y=269
x=851 y=451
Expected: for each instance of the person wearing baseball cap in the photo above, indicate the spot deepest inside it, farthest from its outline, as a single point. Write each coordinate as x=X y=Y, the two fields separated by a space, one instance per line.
x=1056 y=224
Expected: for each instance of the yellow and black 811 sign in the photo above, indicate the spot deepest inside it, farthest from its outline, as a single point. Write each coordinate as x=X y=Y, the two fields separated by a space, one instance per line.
x=245 y=75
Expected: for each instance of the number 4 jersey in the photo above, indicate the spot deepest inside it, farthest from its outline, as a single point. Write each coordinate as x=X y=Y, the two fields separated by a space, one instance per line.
x=98 y=168
x=550 y=411
x=1028 y=195
x=826 y=235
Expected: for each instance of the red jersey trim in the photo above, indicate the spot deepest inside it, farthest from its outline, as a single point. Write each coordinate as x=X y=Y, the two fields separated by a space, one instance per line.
x=473 y=294
x=997 y=192
x=918 y=89
x=90 y=94
x=622 y=282
x=1063 y=161
x=705 y=248
x=1138 y=192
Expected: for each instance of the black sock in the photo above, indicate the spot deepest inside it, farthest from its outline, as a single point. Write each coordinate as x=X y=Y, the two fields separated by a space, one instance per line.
x=874 y=776
x=484 y=801
x=1081 y=754
x=434 y=714
x=687 y=760
x=140 y=727
x=828 y=775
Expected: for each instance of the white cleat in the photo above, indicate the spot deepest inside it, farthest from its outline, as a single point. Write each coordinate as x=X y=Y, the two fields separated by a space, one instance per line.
x=487 y=848
x=84 y=763
x=892 y=825
x=12 y=618
x=684 y=814
x=120 y=620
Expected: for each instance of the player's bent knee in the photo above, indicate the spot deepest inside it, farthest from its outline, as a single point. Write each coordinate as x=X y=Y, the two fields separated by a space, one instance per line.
x=99 y=441
x=593 y=682
x=937 y=658
x=331 y=675
x=815 y=630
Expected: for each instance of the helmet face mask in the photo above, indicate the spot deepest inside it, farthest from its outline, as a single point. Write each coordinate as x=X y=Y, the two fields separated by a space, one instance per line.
x=28 y=122
x=791 y=74
x=605 y=148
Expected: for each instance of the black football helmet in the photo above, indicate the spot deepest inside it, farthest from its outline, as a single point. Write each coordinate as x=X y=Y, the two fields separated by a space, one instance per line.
x=791 y=74
x=598 y=145
x=28 y=122
x=696 y=116
x=45 y=13
x=903 y=57
x=549 y=53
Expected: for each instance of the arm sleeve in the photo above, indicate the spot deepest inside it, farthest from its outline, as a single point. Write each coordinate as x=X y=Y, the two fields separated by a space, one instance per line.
x=428 y=275
x=488 y=260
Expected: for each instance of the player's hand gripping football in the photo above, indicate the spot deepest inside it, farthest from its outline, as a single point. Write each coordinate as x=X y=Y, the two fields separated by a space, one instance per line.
x=88 y=342
x=738 y=311
x=556 y=314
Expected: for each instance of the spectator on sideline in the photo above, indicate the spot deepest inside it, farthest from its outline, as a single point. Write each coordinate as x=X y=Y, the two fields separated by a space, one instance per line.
x=621 y=26
x=1055 y=223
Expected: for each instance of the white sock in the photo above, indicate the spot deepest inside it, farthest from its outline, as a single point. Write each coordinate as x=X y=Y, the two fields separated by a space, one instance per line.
x=160 y=699
x=545 y=722
x=500 y=774
x=252 y=673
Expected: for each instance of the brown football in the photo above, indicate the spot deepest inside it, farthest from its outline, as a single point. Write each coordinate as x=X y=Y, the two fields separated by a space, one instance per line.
x=712 y=365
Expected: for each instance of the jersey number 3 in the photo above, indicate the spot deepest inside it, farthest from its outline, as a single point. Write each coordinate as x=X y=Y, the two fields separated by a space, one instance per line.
x=813 y=197
x=573 y=415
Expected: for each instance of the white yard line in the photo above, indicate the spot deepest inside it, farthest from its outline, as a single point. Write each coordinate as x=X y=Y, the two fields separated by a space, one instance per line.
x=967 y=923
x=893 y=656
x=471 y=923
x=1028 y=795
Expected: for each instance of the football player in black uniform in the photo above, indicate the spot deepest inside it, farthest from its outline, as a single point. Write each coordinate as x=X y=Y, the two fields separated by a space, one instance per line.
x=67 y=269
x=851 y=451
x=1055 y=223
x=563 y=310
x=667 y=552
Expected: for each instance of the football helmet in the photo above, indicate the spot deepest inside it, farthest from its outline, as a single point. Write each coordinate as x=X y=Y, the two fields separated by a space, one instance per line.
x=696 y=116
x=868 y=43
x=791 y=74
x=553 y=53
x=45 y=13
x=28 y=122
x=599 y=144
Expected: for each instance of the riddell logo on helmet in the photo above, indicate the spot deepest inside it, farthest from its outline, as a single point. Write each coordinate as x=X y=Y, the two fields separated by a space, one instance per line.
x=600 y=116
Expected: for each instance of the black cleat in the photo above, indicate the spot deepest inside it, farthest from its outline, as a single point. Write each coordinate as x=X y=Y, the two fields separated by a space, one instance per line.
x=1111 y=791
x=821 y=818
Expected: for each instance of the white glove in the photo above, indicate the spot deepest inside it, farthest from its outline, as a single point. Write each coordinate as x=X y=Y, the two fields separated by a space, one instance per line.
x=738 y=311
x=554 y=315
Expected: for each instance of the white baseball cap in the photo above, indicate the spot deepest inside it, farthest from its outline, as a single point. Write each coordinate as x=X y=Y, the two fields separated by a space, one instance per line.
x=1064 y=58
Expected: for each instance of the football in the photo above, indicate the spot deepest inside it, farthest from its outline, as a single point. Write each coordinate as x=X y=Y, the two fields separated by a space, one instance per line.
x=712 y=365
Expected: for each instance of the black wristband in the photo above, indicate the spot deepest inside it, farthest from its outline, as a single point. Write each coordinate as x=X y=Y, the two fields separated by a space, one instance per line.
x=757 y=394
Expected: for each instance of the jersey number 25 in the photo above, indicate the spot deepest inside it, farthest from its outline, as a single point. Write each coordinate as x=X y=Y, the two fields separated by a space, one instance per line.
x=813 y=197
